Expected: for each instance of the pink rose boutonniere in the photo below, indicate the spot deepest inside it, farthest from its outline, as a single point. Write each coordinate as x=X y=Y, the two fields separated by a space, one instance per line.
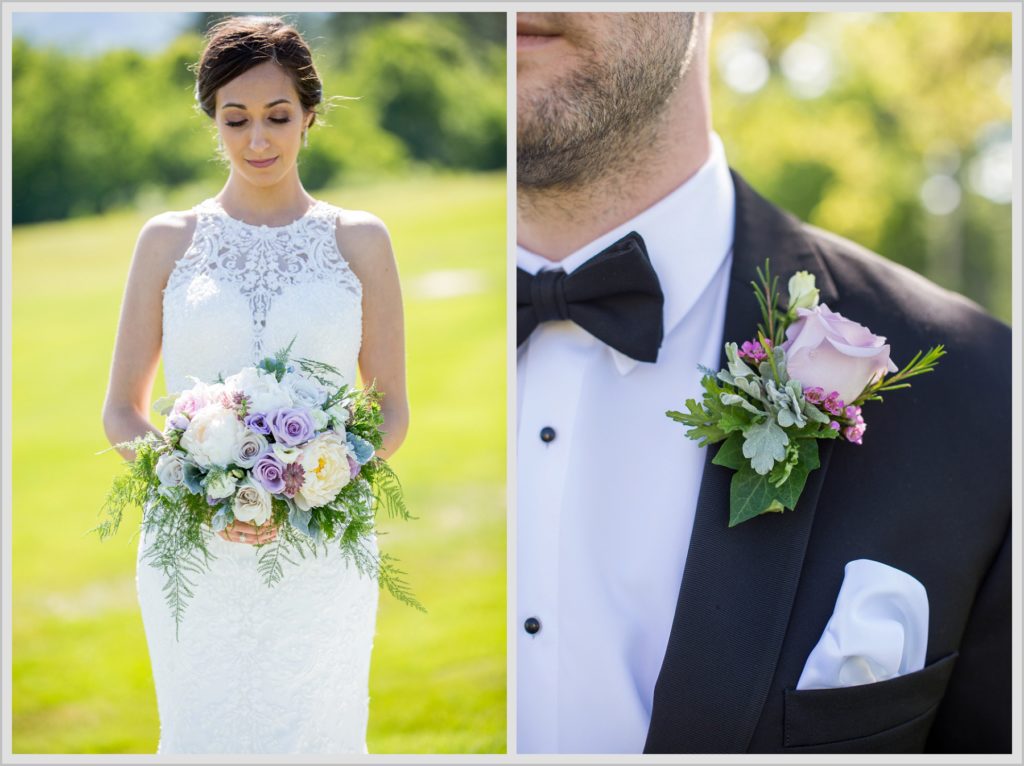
x=803 y=378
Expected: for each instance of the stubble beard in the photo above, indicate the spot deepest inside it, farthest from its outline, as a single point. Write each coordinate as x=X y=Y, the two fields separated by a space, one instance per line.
x=606 y=116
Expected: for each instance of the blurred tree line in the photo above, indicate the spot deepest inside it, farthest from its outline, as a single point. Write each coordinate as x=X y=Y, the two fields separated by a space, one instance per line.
x=891 y=129
x=90 y=133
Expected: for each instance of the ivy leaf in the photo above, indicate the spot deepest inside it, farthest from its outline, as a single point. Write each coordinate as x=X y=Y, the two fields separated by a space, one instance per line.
x=788 y=493
x=750 y=495
x=730 y=454
x=763 y=444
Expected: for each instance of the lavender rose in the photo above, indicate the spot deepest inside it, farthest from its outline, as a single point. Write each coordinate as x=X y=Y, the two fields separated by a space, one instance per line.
x=292 y=426
x=269 y=471
x=257 y=421
x=177 y=422
x=170 y=469
x=251 y=447
x=825 y=349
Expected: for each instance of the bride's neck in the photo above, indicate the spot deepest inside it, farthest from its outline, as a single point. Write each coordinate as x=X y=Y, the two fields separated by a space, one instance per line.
x=281 y=203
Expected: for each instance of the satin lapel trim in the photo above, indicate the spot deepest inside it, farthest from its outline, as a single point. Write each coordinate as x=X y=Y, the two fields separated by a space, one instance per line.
x=739 y=584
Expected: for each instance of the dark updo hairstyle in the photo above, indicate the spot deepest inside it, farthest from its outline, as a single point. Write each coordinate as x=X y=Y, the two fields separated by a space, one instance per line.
x=236 y=45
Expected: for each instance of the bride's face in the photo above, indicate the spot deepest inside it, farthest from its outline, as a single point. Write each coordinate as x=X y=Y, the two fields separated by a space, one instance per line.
x=261 y=121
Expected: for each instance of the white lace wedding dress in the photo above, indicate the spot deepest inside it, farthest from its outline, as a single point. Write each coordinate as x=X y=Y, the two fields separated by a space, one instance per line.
x=260 y=669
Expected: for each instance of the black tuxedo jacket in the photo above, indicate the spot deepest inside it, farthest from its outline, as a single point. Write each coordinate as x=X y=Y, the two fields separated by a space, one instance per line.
x=928 y=492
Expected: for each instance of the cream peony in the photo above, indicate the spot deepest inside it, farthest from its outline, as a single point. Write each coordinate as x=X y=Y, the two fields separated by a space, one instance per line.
x=252 y=503
x=325 y=460
x=213 y=436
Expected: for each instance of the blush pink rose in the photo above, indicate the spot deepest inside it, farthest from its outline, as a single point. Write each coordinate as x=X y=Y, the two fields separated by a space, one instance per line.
x=824 y=348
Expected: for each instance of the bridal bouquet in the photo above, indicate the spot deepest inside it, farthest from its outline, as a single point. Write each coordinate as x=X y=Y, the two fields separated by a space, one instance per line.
x=804 y=377
x=280 y=443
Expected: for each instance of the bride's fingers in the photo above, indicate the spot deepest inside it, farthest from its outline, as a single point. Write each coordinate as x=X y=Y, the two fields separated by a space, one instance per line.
x=249 y=538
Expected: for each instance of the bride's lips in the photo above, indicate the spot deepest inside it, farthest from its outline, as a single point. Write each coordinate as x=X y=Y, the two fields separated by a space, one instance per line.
x=262 y=163
x=530 y=35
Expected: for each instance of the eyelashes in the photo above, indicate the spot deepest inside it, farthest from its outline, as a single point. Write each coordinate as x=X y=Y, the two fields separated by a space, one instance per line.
x=240 y=123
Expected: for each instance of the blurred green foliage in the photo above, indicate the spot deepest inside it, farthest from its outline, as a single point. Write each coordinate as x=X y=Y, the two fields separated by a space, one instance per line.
x=91 y=133
x=891 y=129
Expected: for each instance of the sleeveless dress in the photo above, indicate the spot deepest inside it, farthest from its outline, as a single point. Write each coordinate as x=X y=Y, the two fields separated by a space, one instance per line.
x=258 y=669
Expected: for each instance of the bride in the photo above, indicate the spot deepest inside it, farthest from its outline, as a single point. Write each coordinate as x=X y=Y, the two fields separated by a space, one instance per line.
x=259 y=669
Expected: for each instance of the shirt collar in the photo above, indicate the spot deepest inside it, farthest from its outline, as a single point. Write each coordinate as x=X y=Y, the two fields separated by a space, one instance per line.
x=688 y=234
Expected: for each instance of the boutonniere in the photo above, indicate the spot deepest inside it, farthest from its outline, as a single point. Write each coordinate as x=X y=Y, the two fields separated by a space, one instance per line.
x=805 y=377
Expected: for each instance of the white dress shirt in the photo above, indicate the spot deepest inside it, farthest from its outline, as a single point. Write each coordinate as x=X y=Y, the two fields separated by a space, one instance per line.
x=606 y=496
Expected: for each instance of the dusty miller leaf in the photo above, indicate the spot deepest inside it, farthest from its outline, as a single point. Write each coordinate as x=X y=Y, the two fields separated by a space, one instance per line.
x=763 y=444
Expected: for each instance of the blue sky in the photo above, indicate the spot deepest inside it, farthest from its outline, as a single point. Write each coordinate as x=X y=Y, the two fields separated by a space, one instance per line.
x=98 y=32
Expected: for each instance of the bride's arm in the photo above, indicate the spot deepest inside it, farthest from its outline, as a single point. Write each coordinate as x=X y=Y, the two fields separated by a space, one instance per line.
x=137 y=348
x=365 y=243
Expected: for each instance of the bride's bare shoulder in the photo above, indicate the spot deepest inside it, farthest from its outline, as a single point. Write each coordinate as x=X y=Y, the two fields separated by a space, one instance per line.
x=363 y=241
x=164 y=239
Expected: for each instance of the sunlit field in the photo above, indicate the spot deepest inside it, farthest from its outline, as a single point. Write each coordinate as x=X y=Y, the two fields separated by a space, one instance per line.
x=81 y=680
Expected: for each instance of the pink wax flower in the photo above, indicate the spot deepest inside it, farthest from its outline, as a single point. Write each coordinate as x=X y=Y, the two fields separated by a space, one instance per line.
x=814 y=394
x=833 y=404
x=754 y=351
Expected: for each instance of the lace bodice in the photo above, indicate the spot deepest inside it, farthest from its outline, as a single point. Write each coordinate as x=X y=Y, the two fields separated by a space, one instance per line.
x=241 y=292
x=257 y=669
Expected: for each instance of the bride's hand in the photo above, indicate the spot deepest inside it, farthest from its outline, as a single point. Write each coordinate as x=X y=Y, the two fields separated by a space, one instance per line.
x=249 y=534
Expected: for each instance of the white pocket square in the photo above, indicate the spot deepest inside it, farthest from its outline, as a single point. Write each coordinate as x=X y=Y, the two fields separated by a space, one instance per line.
x=878 y=629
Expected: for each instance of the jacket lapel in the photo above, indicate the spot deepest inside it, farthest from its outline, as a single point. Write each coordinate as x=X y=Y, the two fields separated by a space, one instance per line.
x=739 y=584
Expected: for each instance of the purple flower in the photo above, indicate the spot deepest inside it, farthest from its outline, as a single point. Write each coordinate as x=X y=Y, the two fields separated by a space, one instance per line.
x=269 y=471
x=353 y=467
x=177 y=422
x=292 y=426
x=834 y=426
x=852 y=412
x=257 y=421
x=294 y=477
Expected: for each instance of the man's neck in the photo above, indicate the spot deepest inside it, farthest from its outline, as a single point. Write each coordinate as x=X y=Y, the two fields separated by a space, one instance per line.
x=556 y=222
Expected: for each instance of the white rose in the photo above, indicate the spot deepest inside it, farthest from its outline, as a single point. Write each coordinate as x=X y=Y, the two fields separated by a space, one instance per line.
x=325 y=460
x=213 y=436
x=305 y=392
x=170 y=469
x=802 y=292
x=250 y=448
x=252 y=503
x=220 y=485
x=286 y=454
x=339 y=415
x=264 y=392
x=320 y=418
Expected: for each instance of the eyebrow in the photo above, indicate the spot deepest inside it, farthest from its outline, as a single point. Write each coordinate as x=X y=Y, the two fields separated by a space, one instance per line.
x=243 y=106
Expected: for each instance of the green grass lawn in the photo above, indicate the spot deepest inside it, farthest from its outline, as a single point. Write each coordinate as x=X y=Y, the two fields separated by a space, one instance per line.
x=81 y=681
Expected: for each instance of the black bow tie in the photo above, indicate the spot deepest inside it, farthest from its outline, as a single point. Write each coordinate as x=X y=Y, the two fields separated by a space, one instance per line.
x=615 y=296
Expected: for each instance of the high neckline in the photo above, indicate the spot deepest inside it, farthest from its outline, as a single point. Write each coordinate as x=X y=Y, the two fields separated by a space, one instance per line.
x=216 y=205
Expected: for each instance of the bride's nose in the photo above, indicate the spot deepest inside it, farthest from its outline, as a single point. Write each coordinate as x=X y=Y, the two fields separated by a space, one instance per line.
x=257 y=139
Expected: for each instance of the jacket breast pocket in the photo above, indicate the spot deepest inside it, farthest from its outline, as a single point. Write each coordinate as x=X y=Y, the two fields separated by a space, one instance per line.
x=891 y=716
